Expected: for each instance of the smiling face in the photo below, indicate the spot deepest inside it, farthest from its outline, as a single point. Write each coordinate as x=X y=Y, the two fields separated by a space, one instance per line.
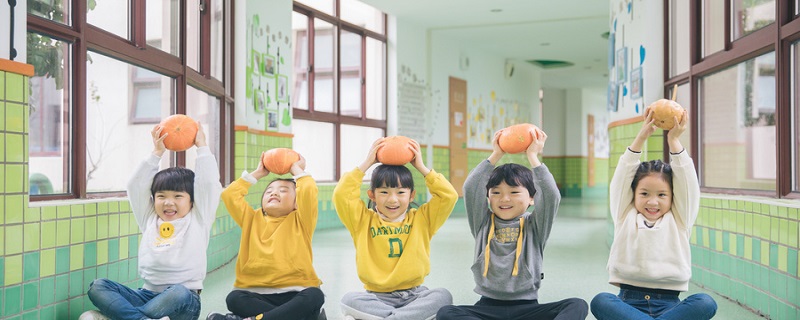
x=509 y=202
x=172 y=205
x=279 y=198
x=652 y=196
x=391 y=202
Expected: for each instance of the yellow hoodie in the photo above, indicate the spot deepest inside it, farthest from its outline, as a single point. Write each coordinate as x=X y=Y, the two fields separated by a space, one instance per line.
x=274 y=252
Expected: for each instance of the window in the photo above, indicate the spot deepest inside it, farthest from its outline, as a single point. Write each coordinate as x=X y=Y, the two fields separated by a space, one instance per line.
x=97 y=94
x=741 y=93
x=339 y=82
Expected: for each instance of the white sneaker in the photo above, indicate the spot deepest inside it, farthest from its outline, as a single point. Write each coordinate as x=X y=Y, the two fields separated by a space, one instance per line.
x=93 y=315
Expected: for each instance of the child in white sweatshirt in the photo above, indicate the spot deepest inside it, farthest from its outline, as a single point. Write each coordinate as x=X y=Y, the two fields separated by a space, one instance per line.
x=653 y=205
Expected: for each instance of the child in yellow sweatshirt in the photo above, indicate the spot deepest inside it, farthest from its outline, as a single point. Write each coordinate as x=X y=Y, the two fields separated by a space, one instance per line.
x=275 y=278
x=392 y=241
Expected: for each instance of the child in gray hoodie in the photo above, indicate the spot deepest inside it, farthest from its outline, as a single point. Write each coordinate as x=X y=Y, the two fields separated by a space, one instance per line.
x=509 y=241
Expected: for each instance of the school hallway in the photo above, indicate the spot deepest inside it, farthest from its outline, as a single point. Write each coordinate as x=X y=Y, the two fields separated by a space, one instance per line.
x=575 y=260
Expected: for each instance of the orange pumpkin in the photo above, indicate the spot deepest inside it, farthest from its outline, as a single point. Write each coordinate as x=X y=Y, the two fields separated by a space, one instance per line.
x=516 y=138
x=181 y=132
x=279 y=160
x=664 y=113
x=395 y=151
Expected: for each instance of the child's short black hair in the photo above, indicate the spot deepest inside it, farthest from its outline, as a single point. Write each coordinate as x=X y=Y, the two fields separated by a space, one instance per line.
x=174 y=179
x=656 y=167
x=386 y=176
x=513 y=175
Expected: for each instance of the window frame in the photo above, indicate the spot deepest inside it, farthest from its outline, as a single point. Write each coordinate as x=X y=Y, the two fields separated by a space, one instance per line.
x=776 y=37
x=337 y=118
x=84 y=37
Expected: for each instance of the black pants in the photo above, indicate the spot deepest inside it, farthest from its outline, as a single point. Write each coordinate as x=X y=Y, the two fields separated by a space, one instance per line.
x=491 y=309
x=289 y=305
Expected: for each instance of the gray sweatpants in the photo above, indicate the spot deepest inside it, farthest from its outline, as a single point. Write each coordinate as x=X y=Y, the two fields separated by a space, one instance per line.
x=411 y=304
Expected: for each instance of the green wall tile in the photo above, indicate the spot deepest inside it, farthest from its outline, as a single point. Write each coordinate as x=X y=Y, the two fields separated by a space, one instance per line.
x=15 y=146
x=62 y=310
x=90 y=209
x=102 y=252
x=48 y=234
x=133 y=246
x=113 y=250
x=62 y=232
x=14 y=86
x=47 y=313
x=15 y=118
x=11 y=215
x=31 y=237
x=90 y=229
x=47 y=287
x=15 y=203
x=123 y=248
x=113 y=225
x=102 y=271
x=75 y=283
x=48 y=213
x=62 y=287
x=773 y=255
x=12 y=303
x=32 y=214
x=765 y=255
x=62 y=260
x=12 y=269
x=90 y=254
x=102 y=226
x=75 y=257
x=89 y=275
x=62 y=212
x=47 y=263
x=32 y=315
x=30 y=266
x=13 y=237
x=783 y=255
x=76 y=210
x=30 y=293
x=76 y=230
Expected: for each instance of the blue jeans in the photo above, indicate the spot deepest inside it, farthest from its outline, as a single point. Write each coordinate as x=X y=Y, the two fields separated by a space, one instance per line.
x=634 y=304
x=117 y=301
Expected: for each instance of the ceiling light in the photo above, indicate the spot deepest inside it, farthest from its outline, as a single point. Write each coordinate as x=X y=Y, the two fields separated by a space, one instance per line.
x=496 y=10
x=544 y=44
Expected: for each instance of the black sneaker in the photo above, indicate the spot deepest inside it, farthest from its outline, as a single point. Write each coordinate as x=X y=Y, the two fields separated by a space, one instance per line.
x=219 y=316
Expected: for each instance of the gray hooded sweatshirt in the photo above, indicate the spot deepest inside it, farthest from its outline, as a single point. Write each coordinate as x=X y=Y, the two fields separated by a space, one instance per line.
x=514 y=271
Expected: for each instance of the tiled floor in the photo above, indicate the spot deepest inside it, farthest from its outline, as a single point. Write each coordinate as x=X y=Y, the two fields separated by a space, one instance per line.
x=574 y=264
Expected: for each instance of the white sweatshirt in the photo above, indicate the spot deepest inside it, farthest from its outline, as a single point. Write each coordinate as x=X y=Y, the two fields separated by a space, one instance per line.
x=657 y=257
x=180 y=258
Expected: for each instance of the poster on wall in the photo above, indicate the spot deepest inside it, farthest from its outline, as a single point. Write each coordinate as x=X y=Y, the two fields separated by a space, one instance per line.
x=259 y=101
x=622 y=65
x=272 y=120
x=282 y=90
x=268 y=68
x=612 y=96
x=636 y=83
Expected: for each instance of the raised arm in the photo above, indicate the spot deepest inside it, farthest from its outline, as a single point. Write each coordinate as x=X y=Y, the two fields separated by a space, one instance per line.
x=207 y=188
x=307 y=191
x=139 y=184
x=685 y=185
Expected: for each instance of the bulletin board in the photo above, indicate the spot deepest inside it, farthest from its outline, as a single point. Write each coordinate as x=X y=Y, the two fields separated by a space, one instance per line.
x=458 y=133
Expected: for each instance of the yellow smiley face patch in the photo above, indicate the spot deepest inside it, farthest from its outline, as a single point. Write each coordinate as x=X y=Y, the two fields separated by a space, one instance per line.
x=167 y=229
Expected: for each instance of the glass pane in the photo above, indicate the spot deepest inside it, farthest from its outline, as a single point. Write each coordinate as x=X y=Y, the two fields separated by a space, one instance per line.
x=751 y=15
x=300 y=68
x=713 y=26
x=58 y=11
x=321 y=5
x=376 y=79
x=358 y=141
x=113 y=139
x=163 y=25
x=738 y=126
x=685 y=100
x=678 y=37
x=204 y=108
x=217 y=42
x=315 y=141
x=361 y=14
x=324 y=68
x=49 y=128
x=350 y=93
x=795 y=69
x=111 y=16
x=193 y=34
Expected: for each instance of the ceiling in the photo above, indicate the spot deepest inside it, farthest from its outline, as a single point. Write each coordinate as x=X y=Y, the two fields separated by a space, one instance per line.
x=522 y=30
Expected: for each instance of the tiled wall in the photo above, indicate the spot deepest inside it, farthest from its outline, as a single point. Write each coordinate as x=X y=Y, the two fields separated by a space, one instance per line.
x=51 y=251
x=744 y=248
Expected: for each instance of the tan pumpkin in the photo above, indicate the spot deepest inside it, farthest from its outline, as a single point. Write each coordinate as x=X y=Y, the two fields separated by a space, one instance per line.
x=279 y=160
x=516 y=138
x=395 y=151
x=181 y=131
x=664 y=113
